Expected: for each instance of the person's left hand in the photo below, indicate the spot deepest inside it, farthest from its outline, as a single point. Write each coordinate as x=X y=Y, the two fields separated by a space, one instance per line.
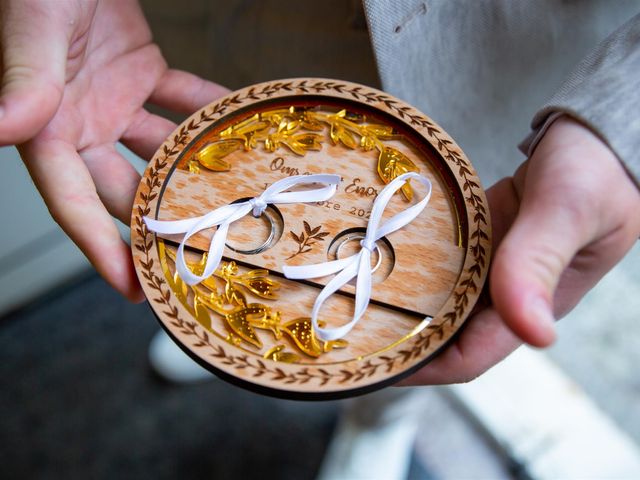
x=566 y=217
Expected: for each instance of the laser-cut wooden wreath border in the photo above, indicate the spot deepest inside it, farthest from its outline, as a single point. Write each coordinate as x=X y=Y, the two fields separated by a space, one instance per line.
x=363 y=365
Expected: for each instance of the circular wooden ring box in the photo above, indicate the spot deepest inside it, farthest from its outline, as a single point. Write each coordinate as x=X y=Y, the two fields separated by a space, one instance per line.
x=249 y=324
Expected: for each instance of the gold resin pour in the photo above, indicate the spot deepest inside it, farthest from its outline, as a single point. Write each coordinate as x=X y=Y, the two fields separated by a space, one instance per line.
x=240 y=317
x=296 y=129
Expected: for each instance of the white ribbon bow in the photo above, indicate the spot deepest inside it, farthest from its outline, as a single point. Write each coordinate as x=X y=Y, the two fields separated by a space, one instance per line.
x=224 y=216
x=359 y=264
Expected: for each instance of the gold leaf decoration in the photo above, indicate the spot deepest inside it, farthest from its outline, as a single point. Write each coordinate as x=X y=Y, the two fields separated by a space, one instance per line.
x=242 y=318
x=248 y=131
x=391 y=164
x=382 y=132
x=298 y=143
x=295 y=129
x=211 y=156
x=303 y=142
x=301 y=332
x=340 y=135
x=194 y=166
x=256 y=281
x=201 y=313
x=277 y=354
x=240 y=321
x=262 y=287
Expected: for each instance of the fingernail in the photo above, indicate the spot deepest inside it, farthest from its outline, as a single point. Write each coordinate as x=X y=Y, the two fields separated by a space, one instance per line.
x=544 y=320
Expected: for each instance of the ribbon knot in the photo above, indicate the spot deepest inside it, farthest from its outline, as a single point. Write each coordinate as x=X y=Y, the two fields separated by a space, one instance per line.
x=258 y=206
x=359 y=265
x=223 y=217
x=368 y=244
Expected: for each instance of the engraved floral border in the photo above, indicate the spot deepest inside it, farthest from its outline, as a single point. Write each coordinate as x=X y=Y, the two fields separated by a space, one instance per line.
x=468 y=285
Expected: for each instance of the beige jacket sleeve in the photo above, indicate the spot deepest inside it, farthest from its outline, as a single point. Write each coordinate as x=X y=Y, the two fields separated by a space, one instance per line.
x=603 y=92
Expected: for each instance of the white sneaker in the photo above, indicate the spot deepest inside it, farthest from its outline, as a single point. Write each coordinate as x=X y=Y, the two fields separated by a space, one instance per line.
x=172 y=364
x=374 y=438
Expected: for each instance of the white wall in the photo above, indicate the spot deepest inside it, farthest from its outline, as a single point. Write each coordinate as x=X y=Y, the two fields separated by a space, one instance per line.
x=35 y=254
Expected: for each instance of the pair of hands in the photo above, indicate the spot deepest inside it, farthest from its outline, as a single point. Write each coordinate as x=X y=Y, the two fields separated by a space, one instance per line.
x=77 y=73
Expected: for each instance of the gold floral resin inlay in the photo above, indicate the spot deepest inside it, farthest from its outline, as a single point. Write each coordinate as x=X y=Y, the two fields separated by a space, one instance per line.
x=241 y=317
x=298 y=130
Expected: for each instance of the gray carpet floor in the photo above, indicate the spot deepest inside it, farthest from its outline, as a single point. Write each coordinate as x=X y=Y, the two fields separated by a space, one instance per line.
x=79 y=401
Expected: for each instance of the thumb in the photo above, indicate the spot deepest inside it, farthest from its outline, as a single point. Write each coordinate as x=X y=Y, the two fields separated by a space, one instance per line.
x=548 y=231
x=35 y=41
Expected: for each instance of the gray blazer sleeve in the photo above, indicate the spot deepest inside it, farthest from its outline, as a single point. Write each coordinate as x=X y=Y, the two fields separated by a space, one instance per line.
x=603 y=92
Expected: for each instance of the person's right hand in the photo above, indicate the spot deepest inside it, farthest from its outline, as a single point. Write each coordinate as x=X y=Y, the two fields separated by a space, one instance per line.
x=75 y=77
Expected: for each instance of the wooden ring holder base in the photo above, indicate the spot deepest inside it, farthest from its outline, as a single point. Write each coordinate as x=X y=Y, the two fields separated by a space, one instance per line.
x=431 y=273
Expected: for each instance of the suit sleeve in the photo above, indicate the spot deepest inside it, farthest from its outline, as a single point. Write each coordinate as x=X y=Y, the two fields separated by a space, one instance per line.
x=603 y=93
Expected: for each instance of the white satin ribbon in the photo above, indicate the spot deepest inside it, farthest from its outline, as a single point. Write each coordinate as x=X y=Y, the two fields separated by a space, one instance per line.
x=224 y=216
x=359 y=265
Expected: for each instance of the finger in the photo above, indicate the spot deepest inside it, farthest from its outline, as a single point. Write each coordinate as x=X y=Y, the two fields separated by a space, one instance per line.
x=115 y=179
x=66 y=186
x=34 y=53
x=484 y=341
x=146 y=133
x=184 y=92
x=551 y=227
x=503 y=204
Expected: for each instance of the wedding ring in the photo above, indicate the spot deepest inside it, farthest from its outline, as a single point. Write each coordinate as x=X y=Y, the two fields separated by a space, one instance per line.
x=268 y=215
x=359 y=236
